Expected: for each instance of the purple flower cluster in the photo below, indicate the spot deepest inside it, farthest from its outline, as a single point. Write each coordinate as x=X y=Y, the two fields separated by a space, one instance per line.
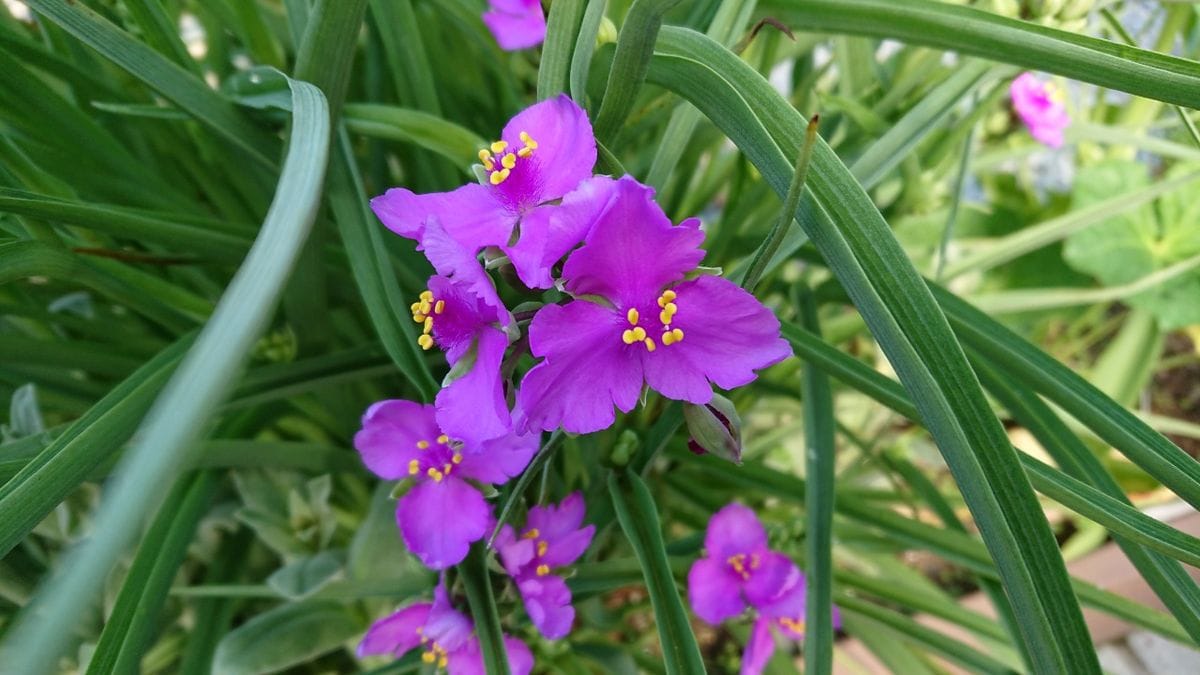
x=739 y=571
x=639 y=313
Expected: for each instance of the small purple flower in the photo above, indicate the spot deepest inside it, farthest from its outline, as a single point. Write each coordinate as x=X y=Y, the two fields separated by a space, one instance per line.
x=636 y=319
x=516 y=24
x=446 y=636
x=442 y=513
x=784 y=614
x=739 y=569
x=552 y=538
x=1040 y=108
x=545 y=151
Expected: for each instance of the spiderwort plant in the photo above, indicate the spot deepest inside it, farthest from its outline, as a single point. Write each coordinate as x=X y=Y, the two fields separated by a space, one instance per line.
x=442 y=512
x=551 y=539
x=445 y=635
x=637 y=317
x=1039 y=105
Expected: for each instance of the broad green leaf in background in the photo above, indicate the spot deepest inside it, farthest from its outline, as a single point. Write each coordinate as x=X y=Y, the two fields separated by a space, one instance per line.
x=287 y=635
x=1125 y=248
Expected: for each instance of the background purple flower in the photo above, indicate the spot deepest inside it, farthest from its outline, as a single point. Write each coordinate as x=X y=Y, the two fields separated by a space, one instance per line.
x=1040 y=109
x=647 y=325
x=446 y=636
x=442 y=513
x=738 y=569
x=552 y=538
x=544 y=152
x=516 y=24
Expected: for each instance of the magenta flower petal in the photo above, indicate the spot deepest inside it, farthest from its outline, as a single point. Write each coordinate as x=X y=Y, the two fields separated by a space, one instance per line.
x=555 y=521
x=520 y=659
x=439 y=520
x=728 y=335
x=468 y=659
x=499 y=459
x=390 y=433
x=787 y=609
x=770 y=572
x=548 y=603
x=563 y=158
x=759 y=648
x=632 y=250
x=550 y=232
x=466 y=279
x=447 y=626
x=567 y=549
x=516 y=24
x=469 y=214
x=734 y=530
x=514 y=553
x=397 y=633
x=472 y=408
x=712 y=590
x=577 y=338
x=1042 y=113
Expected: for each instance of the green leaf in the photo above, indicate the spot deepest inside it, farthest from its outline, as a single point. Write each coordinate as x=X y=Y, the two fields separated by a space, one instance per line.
x=474 y=574
x=639 y=519
x=183 y=410
x=974 y=32
x=285 y=636
x=455 y=143
x=635 y=45
x=562 y=29
x=301 y=578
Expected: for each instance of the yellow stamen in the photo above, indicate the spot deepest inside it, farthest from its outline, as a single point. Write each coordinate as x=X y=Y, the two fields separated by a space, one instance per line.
x=485 y=156
x=525 y=152
x=543 y=570
x=532 y=534
x=542 y=547
x=650 y=346
x=668 y=339
x=429 y=657
x=664 y=317
x=442 y=661
x=489 y=165
x=415 y=307
x=439 y=307
x=498 y=177
x=422 y=445
x=676 y=335
x=443 y=439
x=498 y=147
x=639 y=333
x=426 y=296
x=425 y=341
x=508 y=161
x=671 y=308
x=669 y=295
x=419 y=317
x=428 y=325
x=456 y=458
x=795 y=625
x=447 y=467
x=525 y=138
x=436 y=475
x=414 y=467
x=632 y=315
x=627 y=336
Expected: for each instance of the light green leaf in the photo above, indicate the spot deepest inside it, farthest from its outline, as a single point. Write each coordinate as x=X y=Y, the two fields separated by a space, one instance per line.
x=285 y=636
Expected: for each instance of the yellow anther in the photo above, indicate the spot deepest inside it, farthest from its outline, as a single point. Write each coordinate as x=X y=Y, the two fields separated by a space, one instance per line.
x=428 y=325
x=443 y=439
x=677 y=334
x=664 y=317
x=543 y=570
x=650 y=346
x=639 y=333
x=414 y=467
x=426 y=296
x=456 y=458
x=498 y=147
x=436 y=475
x=422 y=444
x=668 y=339
x=795 y=625
x=415 y=307
x=442 y=661
x=627 y=336
x=669 y=295
x=525 y=138
x=429 y=657
x=671 y=308
x=447 y=467
x=632 y=315
x=485 y=156
x=498 y=177
x=508 y=161
x=426 y=307
x=542 y=548
x=525 y=152
x=532 y=534
x=489 y=165
x=439 y=307
x=419 y=317
x=426 y=342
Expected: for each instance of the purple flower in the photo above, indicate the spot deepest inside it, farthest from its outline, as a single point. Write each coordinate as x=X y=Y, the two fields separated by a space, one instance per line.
x=446 y=636
x=552 y=538
x=544 y=153
x=636 y=319
x=785 y=615
x=739 y=569
x=442 y=513
x=1040 y=108
x=516 y=24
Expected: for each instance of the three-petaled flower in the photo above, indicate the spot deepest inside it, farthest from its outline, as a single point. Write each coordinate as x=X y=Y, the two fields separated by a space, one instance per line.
x=516 y=24
x=446 y=637
x=443 y=512
x=1040 y=107
x=636 y=317
x=552 y=538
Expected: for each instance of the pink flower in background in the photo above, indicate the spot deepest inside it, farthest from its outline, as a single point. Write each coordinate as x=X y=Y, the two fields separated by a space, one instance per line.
x=545 y=151
x=785 y=615
x=637 y=318
x=1038 y=105
x=516 y=24
x=446 y=636
x=443 y=512
x=552 y=538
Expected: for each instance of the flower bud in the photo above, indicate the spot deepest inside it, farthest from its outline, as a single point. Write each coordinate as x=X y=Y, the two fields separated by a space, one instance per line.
x=714 y=428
